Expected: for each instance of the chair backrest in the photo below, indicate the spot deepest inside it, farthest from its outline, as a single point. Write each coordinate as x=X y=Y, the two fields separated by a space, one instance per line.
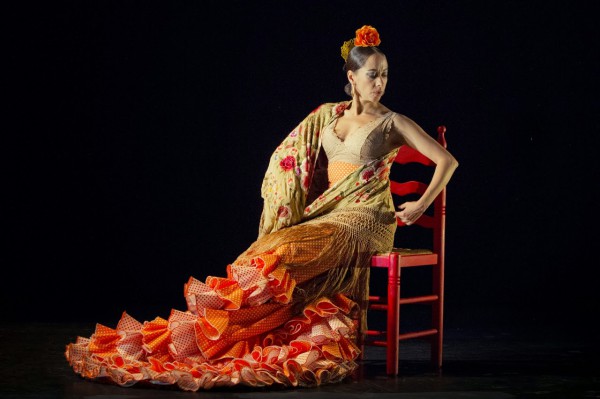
x=435 y=221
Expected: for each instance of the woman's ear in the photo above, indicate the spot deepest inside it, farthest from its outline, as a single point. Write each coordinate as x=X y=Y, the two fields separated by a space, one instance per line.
x=350 y=76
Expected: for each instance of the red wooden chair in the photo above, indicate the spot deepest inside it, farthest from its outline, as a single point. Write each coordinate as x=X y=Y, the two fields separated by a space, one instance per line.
x=400 y=258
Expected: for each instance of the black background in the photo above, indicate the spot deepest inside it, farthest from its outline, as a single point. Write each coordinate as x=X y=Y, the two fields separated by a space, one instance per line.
x=137 y=134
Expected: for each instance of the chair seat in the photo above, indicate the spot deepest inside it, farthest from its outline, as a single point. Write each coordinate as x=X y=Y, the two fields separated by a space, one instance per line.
x=406 y=257
x=412 y=251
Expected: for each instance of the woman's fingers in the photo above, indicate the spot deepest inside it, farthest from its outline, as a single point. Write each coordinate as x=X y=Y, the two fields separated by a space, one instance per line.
x=404 y=218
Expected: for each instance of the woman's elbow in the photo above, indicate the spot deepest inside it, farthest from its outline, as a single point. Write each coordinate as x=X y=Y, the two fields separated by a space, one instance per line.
x=453 y=162
x=450 y=162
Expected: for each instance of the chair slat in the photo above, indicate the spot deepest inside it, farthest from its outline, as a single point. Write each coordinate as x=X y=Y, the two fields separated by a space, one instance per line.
x=408 y=154
x=406 y=188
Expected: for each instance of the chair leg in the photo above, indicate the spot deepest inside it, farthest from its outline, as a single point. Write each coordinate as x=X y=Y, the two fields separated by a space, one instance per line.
x=393 y=316
x=438 y=317
x=436 y=346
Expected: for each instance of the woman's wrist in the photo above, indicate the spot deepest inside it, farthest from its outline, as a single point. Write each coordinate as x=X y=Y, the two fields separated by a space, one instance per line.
x=423 y=204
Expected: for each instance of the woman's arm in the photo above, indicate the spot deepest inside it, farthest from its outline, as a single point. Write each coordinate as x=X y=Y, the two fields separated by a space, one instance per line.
x=415 y=137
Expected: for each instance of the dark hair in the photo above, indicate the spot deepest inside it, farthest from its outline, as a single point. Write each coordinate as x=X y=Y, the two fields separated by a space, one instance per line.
x=356 y=59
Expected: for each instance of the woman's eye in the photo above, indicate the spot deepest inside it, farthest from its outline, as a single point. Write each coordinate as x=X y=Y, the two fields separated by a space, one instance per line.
x=374 y=75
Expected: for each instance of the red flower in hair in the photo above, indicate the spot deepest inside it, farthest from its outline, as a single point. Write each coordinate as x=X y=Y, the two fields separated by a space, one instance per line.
x=367 y=36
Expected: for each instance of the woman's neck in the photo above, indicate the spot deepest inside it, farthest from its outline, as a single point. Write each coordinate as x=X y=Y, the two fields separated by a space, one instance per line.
x=358 y=108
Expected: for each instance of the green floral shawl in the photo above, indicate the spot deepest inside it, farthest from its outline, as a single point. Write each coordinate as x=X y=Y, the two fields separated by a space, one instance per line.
x=291 y=171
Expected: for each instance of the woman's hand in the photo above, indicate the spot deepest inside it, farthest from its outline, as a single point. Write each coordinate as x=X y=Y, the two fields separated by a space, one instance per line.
x=410 y=212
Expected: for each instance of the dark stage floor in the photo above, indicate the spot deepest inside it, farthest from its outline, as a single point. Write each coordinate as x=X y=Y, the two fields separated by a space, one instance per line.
x=486 y=357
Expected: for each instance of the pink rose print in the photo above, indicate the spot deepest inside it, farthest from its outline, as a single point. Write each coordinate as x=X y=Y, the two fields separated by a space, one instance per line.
x=284 y=212
x=288 y=163
x=340 y=108
x=366 y=175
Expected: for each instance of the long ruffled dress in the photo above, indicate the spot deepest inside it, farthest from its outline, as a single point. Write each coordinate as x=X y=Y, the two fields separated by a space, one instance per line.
x=282 y=315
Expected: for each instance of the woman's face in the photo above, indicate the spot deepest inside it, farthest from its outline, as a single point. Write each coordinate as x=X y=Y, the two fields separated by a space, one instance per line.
x=370 y=80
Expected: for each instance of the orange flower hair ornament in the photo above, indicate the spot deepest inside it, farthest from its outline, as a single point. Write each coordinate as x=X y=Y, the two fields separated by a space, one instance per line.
x=366 y=36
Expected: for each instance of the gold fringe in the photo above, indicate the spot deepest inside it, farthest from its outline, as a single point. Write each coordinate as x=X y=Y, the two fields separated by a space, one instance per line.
x=330 y=254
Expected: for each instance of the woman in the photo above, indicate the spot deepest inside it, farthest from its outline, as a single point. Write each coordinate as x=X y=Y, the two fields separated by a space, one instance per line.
x=282 y=315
